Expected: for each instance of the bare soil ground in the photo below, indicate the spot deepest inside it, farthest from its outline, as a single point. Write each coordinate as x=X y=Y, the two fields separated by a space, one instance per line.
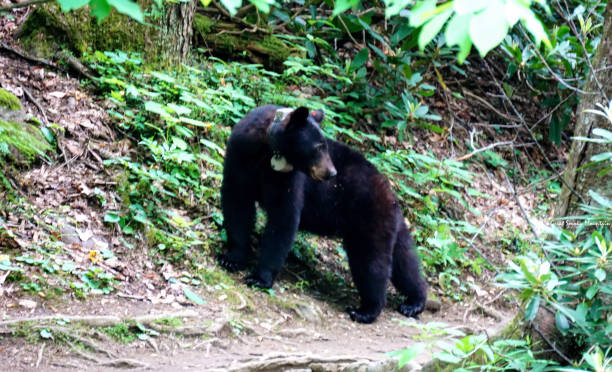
x=236 y=329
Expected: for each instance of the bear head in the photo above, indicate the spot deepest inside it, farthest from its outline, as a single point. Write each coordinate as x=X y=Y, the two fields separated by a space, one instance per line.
x=298 y=142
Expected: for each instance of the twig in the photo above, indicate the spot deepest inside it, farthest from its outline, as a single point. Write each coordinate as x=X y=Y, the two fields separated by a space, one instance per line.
x=295 y=14
x=555 y=349
x=533 y=137
x=489 y=106
x=586 y=53
x=254 y=27
x=488 y=147
x=24 y=4
x=83 y=354
x=487 y=310
x=526 y=216
x=520 y=205
x=552 y=72
x=39 y=61
x=551 y=111
x=348 y=32
x=35 y=102
x=90 y=344
x=40 y=354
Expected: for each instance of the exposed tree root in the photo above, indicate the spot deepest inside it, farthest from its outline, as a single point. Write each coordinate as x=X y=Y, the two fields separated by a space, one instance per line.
x=96 y=320
x=281 y=362
x=124 y=363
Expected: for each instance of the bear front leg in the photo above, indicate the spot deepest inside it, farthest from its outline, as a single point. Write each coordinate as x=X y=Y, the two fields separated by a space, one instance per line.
x=239 y=219
x=370 y=264
x=283 y=212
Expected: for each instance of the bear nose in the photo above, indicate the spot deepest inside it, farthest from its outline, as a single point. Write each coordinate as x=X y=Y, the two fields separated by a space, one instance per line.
x=331 y=173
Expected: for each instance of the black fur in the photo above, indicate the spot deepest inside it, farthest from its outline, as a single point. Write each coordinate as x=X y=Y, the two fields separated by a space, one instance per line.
x=357 y=205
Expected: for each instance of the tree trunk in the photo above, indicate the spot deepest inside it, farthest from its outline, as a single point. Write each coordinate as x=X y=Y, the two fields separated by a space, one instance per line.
x=583 y=180
x=48 y=30
x=177 y=30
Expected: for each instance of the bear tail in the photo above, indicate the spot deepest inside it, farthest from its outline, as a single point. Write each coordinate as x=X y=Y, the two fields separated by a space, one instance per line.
x=406 y=274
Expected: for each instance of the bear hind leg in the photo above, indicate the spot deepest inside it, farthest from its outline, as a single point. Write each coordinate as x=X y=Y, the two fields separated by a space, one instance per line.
x=406 y=275
x=239 y=220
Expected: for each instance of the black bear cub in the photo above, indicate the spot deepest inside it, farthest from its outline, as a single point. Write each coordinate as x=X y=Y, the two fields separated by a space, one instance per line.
x=279 y=158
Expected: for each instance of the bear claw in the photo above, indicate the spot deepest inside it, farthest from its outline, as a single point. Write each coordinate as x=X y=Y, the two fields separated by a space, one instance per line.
x=229 y=264
x=253 y=280
x=360 y=317
x=411 y=311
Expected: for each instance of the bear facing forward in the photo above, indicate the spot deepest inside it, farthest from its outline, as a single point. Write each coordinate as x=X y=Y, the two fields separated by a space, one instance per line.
x=279 y=158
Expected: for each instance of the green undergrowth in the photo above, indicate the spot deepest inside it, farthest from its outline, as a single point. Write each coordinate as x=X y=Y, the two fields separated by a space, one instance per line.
x=180 y=121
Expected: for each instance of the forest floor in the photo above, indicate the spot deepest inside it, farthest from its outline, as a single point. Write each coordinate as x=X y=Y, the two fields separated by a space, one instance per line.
x=53 y=326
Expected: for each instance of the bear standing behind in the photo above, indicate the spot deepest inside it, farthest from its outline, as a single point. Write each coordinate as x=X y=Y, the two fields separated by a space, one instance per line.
x=279 y=158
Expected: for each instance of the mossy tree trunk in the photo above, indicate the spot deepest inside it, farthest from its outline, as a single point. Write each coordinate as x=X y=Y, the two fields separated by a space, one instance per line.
x=178 y=30
x=581 y=180
x=166 y=38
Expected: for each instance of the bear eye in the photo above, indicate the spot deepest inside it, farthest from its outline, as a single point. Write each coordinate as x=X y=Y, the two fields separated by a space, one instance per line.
x=319 y=146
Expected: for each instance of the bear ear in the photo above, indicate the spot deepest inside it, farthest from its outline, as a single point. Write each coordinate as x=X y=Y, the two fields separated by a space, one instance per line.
x=298 y=118
x=318 y=116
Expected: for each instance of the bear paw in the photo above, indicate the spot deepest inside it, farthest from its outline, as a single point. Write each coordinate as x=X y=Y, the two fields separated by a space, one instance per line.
x=230 y=264
x=256 y=281
x=411 y=310
x=361 y=316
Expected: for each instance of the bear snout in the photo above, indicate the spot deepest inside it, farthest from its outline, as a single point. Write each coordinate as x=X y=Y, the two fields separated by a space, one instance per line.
x=324 y=170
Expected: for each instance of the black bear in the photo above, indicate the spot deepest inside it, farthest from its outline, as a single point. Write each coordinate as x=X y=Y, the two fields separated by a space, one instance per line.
x=279 y=158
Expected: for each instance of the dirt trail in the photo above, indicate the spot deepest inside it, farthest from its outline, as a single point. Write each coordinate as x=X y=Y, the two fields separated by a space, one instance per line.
x=218 y=336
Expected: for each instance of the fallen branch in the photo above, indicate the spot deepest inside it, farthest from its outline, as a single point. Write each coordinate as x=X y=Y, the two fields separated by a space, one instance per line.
x=488 y=147
x=35 y=102
x=39 y=61
x=489 y=106
x=40 y=354
x=98 y=320
x=24 y=4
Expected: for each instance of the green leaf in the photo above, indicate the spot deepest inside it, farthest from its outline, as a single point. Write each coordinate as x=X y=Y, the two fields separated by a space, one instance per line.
x=111 y=218
x=193 y=297
x=466 y=7
x=360 y=59
x=343 y=5
x=561 y=321
x=532 y=308
x=431 y=28
x=591 y=292
x=603 y=133
x=262 y=5
x=129 y=8
x=155 y=107
x=205 y=3
x=515 y=10
x=601 y=157
x=232 y=5
x=489 y=27
x=393 y=7
x=458 y=33
x=604 y=202
x=99 y=9
x=535 y=28
x=422 y=12
x=600 y=274
x=408 y=354
x=68 y=5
